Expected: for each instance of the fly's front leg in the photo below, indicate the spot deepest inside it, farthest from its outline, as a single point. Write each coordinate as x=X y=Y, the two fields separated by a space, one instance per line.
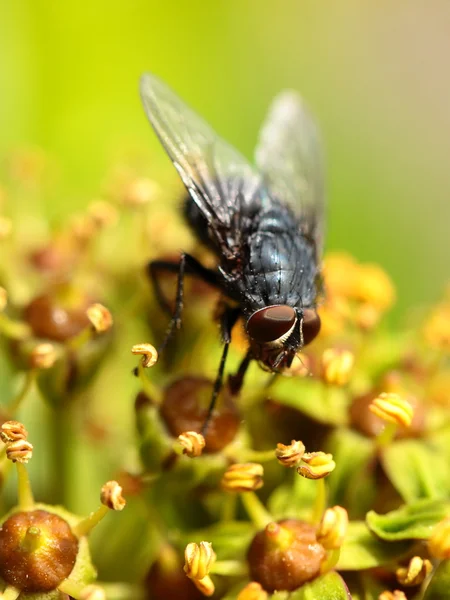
x=187 y=265
x=227 y=322
x=236 y=381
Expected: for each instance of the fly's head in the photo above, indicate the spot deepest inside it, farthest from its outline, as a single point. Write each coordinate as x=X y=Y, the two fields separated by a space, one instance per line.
x=278 y=332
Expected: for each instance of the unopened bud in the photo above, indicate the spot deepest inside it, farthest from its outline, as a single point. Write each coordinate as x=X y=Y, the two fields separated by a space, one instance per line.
x=20 y=451
x=315 y=465
x=192 y=443
x=149 y=354
x=333 y=528
x=337 y=366
x=111 y=496
x=12 y=431
x=439 y=541
x=100 y=317
x=245 y=477
x=392 y=408
x=140 y=192
x=291 y=455
x=415 y=572
x=198 y=560
x=43 y=356
x=253 y=591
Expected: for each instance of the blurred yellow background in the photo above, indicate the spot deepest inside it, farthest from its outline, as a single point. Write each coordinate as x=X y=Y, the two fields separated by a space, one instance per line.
x=374 y=73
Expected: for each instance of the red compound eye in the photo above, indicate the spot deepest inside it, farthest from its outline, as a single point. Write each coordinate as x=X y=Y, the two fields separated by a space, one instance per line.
x=270 y=323
x=310 y=325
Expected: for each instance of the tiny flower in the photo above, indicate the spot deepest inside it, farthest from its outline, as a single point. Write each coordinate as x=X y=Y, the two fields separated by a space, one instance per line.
x=437 y=327
x=19 y=451
x=103 y=213
x=290 y=456
x=100 y=317
x=111 y=496
x=12 y=431
x=395 y=595
x=3 y=299
x=140 y=192
x=367 y=316
x=439 y=541
x=198 y=560
x=373 y=286
x=337 y=366
x=391 y=407
x=253 y=591
x=243 y=477
x=82 y=228
x=315 y=465
x=149 y=354
x=192 y=443
x=415 y=572
x=5 y=227
x=333 y=528
x=92 y=592
x=43 y=356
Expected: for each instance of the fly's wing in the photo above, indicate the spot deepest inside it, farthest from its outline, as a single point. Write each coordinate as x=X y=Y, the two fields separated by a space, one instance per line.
x=290 y=159
x=217 y=177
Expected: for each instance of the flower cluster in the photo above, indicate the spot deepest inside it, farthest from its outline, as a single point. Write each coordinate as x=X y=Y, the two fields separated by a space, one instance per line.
x=331 y=482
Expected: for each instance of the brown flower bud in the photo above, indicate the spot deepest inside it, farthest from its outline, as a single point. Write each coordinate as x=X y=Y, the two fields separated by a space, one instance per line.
x=11 y=431
x=291 y=455
x=111 y=496
x=37 y=551
x=285 y=555
x=245 y=477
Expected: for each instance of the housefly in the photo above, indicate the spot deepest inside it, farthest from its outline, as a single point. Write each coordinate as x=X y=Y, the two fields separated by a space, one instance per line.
x=264 y=224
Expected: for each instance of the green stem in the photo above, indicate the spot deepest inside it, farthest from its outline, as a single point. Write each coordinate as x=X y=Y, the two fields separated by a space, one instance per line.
x=320 y=501
x=256 y=510
x=331 y=560
x=387 y=435
x=30 y=378
x=229 y=568
x=64 y=434
x=26 y=499
x=229 y=507
x=87 y=524
x=149 y=388
x=71 y=588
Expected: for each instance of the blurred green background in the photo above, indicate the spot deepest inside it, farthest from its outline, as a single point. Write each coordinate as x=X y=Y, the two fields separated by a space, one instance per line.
x=374 y=73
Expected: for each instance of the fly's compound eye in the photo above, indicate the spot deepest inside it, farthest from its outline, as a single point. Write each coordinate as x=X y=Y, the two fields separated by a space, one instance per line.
x=310 y=325
x=271 y=323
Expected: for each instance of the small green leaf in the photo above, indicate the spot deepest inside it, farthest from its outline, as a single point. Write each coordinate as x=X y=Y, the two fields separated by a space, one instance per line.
x=417 y=469
x=439 y=587
x=330 y=586
x=352 y=452
x=363 y=550
x=324 y=404
x=411 y=521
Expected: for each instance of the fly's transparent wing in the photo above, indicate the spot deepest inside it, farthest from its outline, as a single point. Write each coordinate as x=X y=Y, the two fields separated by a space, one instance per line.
x=216 y=176
x=290 y=159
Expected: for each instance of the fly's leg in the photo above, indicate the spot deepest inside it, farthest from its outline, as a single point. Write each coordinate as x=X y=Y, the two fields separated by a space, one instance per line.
x=236 y=381
x=228 y=320
x=187 y=265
